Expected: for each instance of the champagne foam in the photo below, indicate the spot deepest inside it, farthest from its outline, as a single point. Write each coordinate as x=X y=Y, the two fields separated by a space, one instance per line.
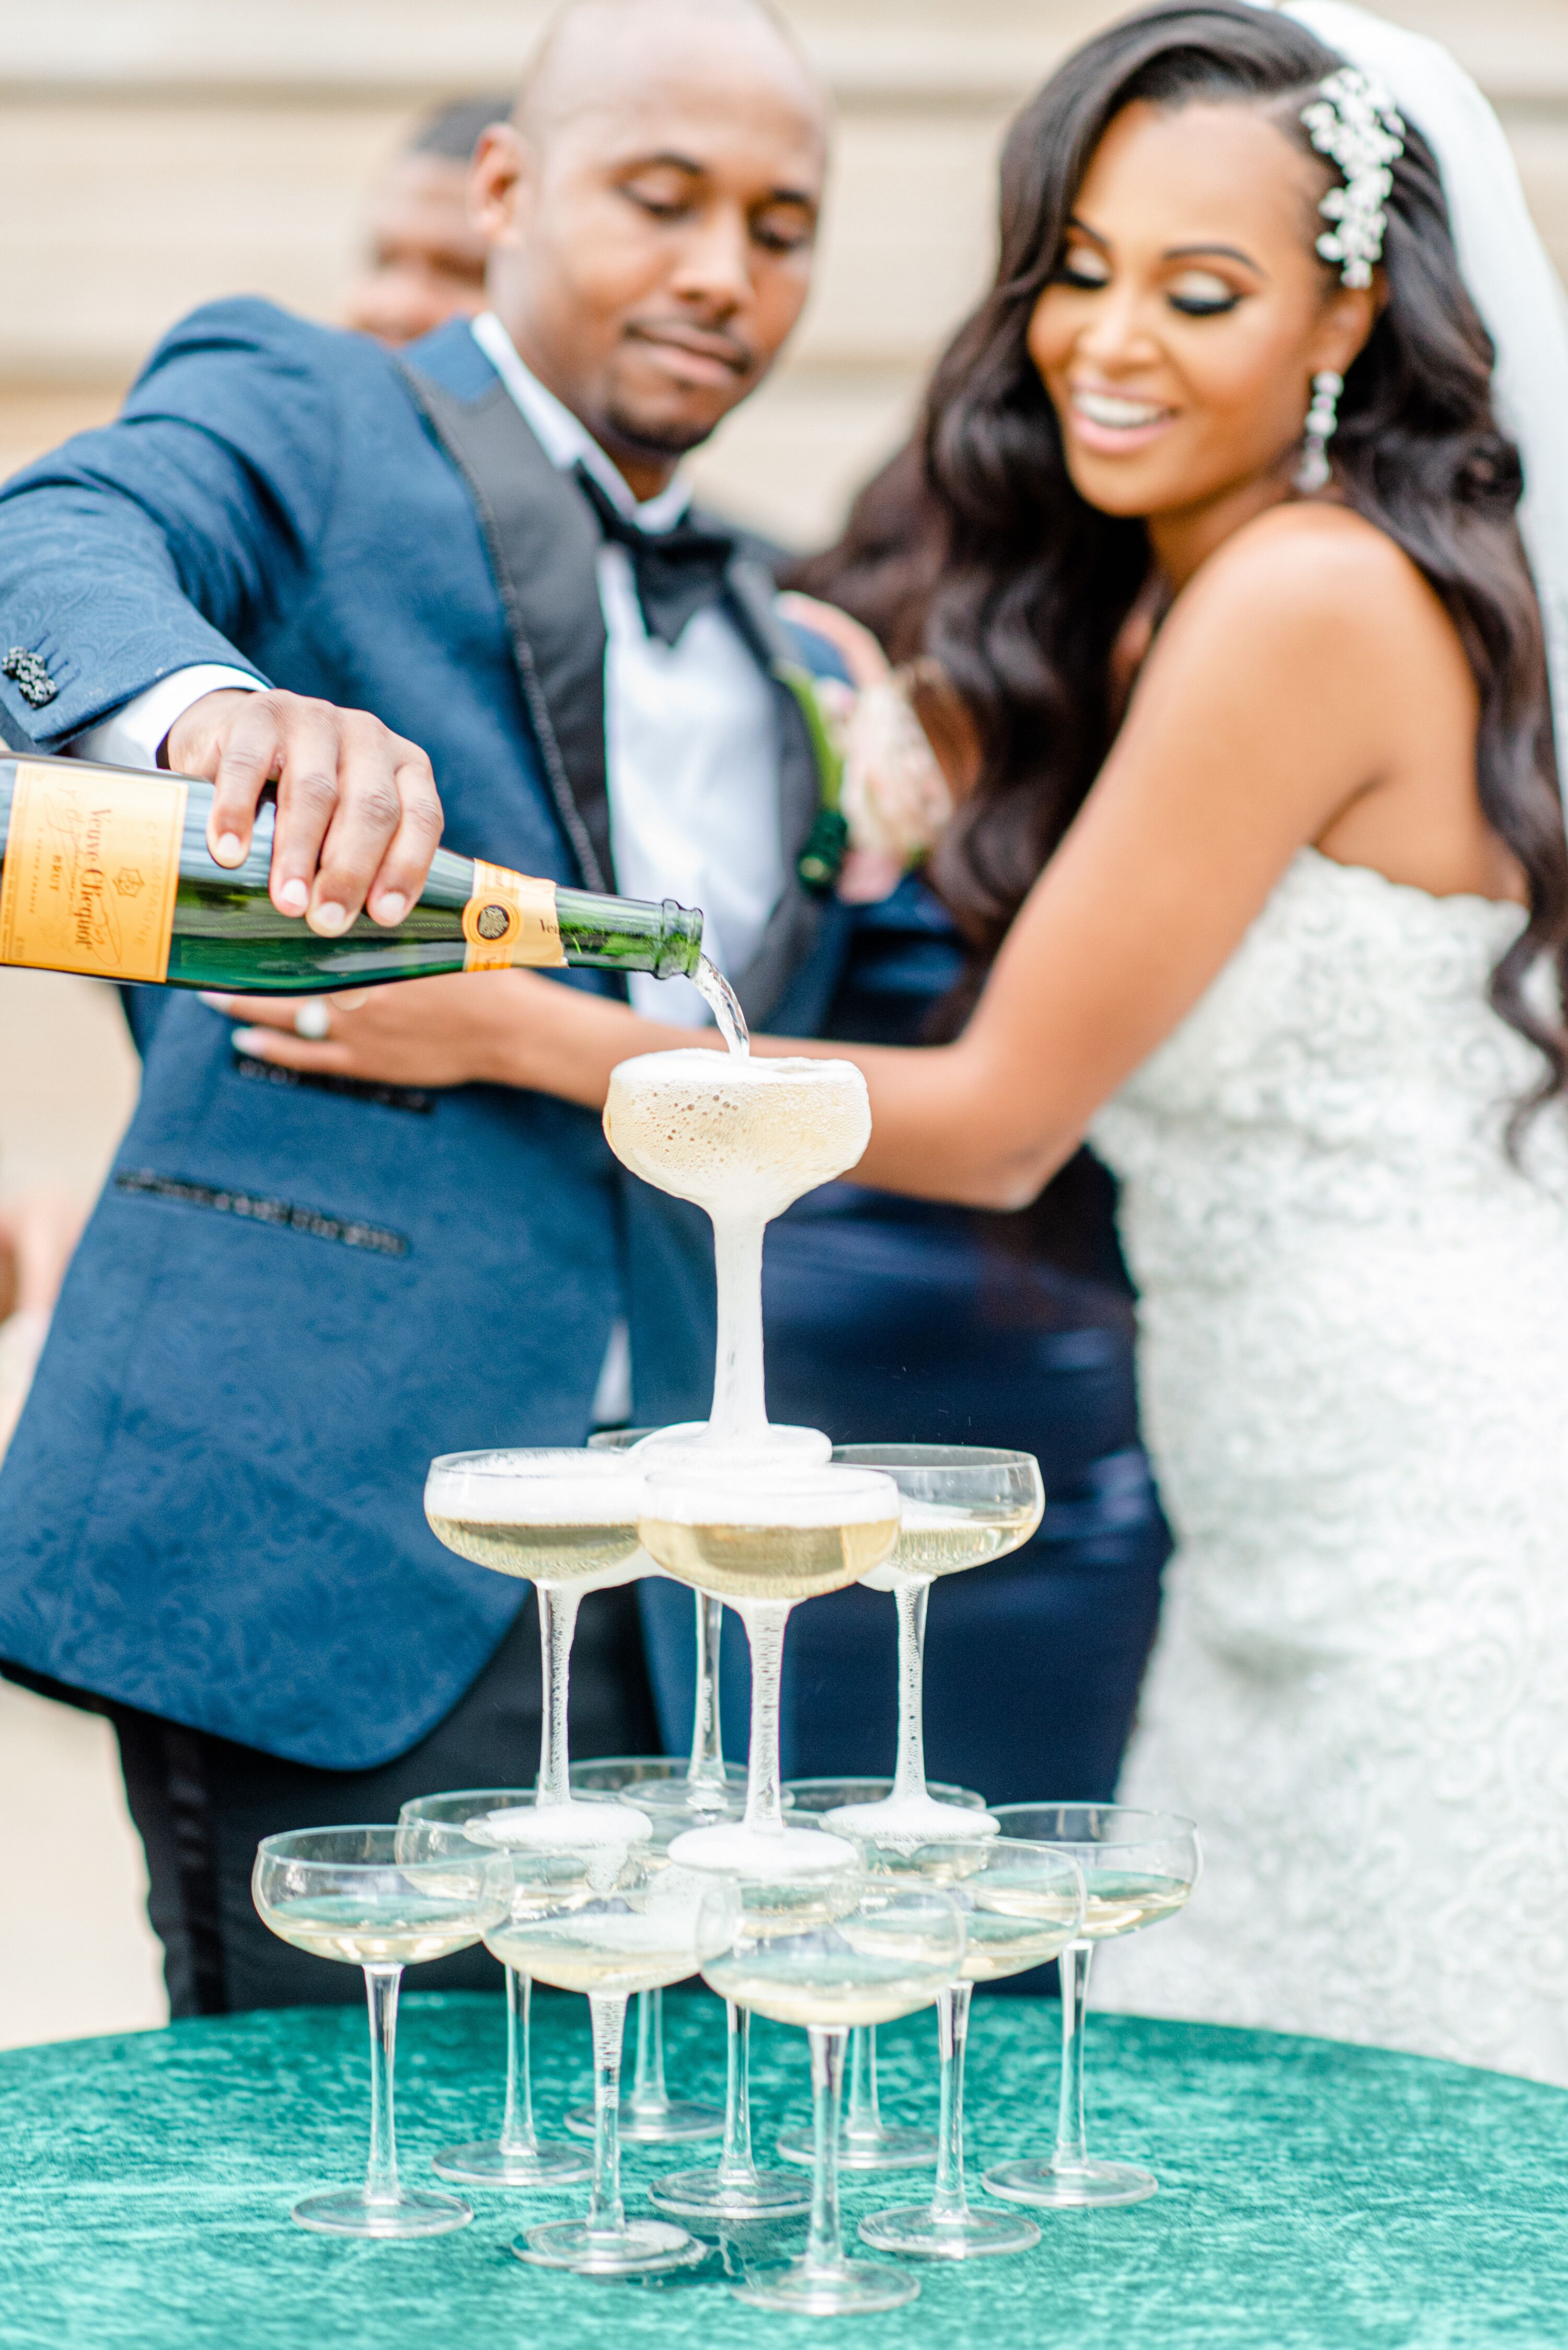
x=494 y=1499
x=720 y=1501
x=563 y=1827
x=903 y=1822
x=763 y=1855
x=742 y=1137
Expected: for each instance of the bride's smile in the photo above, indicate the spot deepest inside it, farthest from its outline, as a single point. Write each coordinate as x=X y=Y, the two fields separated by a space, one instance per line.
x=1186 y=318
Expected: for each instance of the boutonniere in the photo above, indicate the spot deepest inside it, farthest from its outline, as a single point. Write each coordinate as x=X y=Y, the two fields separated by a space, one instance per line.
x=885 y=799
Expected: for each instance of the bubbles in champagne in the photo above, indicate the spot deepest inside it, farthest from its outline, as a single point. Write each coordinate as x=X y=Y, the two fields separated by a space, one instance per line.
x=748 y=1539
x=557 y=1518
x=741 y=1137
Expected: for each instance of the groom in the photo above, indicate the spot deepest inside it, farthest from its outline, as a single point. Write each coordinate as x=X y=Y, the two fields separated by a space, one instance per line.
x=209 y=1517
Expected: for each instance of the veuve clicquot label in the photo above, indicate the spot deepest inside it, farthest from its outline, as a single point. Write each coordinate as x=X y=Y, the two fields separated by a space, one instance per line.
x=91 y=870
x=106 y=870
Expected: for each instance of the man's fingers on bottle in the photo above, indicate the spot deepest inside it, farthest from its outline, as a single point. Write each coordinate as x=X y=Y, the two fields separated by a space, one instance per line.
x=309 y=793
x=365 y=820
x=240 y=758
x=406 y=865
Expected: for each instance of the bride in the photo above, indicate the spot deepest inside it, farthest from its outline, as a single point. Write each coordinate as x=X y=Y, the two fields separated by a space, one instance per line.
x=1247 y=718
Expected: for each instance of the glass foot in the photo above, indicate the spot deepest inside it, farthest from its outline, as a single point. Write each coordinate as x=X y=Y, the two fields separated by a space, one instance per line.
x=641 y=2248
x=411 y=2211
x=761 y=1854
x=705 y=2194
x=847 y=2286
x=912 y=2228
x=488 y=2163
x=912 y=1817
x=886 y=2149
x=673 y=2123
x=1084 y=2187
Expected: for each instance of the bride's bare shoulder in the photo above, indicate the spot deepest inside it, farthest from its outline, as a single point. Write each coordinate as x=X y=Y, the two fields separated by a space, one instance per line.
x=1316 y=571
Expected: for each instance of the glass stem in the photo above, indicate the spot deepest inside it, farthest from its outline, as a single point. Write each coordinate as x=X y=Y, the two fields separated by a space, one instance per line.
x=764 y=1620
x=648 y=2099
x=949 y=2201
x=863 y=2122
x=518 y=2123
x=824 y=2233
x=736 y=2168
x=1072 y=2150
x=607 y=2213
x=558 y=1622
x=382 y=1998
x=707 y=1764
x=909 y=1777
x=738 y=1406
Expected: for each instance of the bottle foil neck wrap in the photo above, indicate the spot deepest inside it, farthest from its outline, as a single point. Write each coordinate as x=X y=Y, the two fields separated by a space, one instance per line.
x=510 y=918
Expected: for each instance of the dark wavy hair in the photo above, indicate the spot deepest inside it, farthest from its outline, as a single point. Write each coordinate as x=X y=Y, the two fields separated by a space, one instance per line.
x=973 y=545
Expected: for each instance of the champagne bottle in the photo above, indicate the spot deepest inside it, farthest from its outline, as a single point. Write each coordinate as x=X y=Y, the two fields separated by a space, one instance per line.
x=106 y=870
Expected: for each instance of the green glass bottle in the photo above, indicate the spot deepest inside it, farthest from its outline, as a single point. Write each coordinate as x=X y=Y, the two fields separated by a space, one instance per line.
x=106 y=870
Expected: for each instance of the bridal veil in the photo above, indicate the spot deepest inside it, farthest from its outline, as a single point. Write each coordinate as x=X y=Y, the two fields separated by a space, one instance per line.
x=1510 y=279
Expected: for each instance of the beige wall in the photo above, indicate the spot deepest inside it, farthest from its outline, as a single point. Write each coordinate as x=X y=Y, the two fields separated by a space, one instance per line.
x=156 y=152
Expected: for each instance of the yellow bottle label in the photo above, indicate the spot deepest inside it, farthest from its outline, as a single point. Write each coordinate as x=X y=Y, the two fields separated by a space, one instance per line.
x=91 y=871
x=510 y=918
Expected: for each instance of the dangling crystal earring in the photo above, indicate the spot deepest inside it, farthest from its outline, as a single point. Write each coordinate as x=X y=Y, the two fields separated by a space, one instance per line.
x=1322 y=417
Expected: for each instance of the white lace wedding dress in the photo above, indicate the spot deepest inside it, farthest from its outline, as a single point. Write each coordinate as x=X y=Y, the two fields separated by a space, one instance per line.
x=1355 y=1379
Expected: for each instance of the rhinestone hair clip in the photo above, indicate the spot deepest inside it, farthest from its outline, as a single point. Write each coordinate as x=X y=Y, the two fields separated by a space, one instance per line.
x=1353 y=122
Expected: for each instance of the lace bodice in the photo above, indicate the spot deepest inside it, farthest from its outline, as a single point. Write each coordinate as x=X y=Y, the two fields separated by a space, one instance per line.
x=1344 y=1071
x=1354 y=1365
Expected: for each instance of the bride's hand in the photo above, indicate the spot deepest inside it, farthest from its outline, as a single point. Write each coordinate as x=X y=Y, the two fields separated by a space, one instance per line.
x=459 y=1030
x=497 y=1028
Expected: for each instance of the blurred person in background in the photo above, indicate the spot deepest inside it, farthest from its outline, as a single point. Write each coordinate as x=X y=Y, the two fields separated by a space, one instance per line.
x=427 y=259
x=294 y=1291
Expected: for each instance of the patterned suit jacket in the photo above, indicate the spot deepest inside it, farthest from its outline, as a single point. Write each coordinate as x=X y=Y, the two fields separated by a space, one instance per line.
x=290 y=1297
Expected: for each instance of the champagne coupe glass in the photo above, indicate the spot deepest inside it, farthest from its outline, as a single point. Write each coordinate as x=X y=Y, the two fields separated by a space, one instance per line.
x=961 y=1505
x=380 y=1898
x=565 y=1520
x=649 y=2115
x=763 y=1537
x=733 y=2188
x=609 y=1919
x=830 y=1953
x=1022 y=1903
x=514 y=2158
x=866 y=2142
x=708 y=1774
x=1138 y=1867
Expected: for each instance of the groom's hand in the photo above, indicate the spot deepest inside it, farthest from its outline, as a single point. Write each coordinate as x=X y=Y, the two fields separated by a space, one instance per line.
x=358 y=816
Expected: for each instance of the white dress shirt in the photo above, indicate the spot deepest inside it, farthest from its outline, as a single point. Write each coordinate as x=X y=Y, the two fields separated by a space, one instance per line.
x=690 y=745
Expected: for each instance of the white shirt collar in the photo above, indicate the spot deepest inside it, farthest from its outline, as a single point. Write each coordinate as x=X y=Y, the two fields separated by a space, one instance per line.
x=566 y=441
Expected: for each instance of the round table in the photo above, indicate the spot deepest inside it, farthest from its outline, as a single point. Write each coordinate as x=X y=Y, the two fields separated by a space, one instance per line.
x=1311 y=2194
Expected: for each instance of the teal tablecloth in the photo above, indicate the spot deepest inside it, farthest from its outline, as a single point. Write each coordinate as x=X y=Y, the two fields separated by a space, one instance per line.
x=1312 y=2195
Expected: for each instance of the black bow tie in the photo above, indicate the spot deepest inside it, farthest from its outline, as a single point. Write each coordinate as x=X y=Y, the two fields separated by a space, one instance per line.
x=677 y=572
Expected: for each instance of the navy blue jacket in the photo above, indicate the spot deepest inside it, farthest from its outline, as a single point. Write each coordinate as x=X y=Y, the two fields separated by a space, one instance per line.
x=290 y=1298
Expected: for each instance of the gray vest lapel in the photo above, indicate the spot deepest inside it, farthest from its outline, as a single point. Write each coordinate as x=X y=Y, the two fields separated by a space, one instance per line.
x=542 y=544
x=796 y=920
